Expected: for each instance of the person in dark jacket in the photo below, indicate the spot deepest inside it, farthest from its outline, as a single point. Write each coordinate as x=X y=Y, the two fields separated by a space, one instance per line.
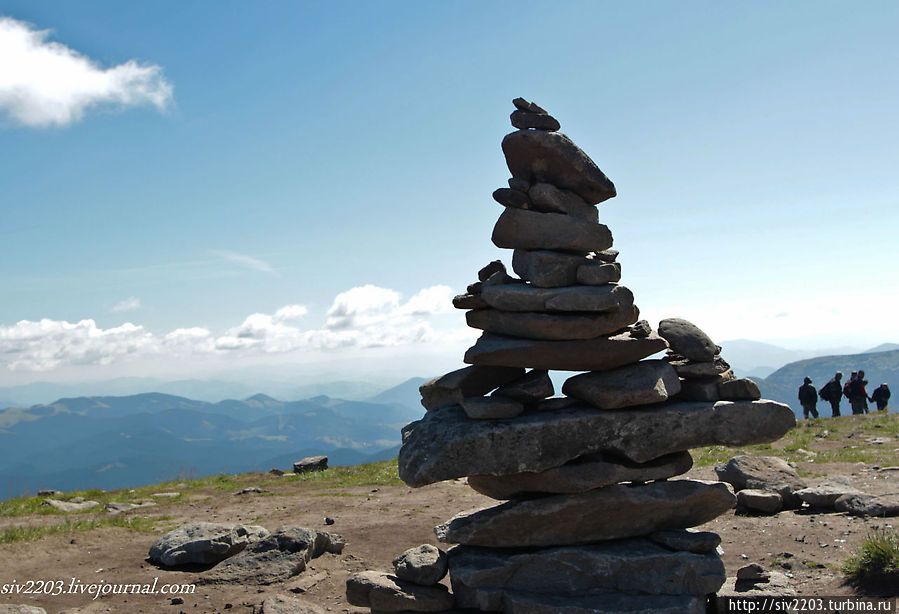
x=858 y=397
x=881 y=396
x=832 y=391
x=808 y=398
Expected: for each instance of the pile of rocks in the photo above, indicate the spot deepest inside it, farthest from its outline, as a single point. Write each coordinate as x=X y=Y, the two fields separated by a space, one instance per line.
x=591 y=521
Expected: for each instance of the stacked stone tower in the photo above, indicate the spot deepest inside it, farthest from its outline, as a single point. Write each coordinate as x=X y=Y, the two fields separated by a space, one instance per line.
x=590 y=519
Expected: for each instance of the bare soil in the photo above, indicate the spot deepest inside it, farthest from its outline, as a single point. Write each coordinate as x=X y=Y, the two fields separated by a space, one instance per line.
x=379 y=523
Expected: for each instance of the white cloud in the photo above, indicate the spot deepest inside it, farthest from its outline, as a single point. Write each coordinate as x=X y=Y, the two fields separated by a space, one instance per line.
x=129 y=304
x=362 y=317
x=246 y=261
x=44 y=83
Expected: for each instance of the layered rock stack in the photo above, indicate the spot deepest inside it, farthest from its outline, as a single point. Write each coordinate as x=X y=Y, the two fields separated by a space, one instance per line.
x=590 y=521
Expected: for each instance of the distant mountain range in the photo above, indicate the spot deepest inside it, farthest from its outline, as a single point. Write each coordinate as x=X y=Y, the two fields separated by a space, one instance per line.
x=111 y=442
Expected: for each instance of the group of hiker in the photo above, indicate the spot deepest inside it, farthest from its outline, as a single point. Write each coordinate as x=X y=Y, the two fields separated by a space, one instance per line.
x=834 y=390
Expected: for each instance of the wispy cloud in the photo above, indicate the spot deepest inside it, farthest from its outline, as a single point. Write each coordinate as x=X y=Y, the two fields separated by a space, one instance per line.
x=129 y=304
x=362 y=317
x=246 y=261
x=45 y=83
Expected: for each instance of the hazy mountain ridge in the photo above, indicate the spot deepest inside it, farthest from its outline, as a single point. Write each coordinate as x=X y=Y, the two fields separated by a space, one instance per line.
x=109 y=442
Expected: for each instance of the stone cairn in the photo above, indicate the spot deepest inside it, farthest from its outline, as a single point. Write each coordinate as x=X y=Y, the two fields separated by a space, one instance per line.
x=590 y=521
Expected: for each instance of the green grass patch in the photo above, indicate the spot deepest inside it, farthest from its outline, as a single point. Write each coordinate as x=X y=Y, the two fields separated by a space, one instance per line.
x=31 y=533
x=875 y=564
x=383 y=473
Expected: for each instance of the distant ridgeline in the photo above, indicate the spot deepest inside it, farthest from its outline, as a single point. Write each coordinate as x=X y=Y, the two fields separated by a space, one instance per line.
x=879 y=367
x=114 y=442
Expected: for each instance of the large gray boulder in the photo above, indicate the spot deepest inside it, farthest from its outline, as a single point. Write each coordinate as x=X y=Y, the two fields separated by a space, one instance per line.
x=525 y=297
x=525 y=229
x=203 y=543
x=481 y=576
x=550 y=199
x=687 y=339
x=551 y=157
x=450 y=389
x=597 y=354
x=640 y=383
x=552 y=326
x=446 y=444
x=311 y=463
x=869 y=505
x=580 y=476
x=425 y=565
x=606 y=513
x=387 y=593
x=763 y=473
x=278 y=557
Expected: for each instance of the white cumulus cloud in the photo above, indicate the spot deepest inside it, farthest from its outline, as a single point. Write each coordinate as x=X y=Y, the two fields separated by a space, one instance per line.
x=44 y=83
x=129 y=304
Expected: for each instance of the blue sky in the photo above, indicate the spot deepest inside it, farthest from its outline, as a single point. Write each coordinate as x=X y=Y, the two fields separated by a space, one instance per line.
x=222 y=163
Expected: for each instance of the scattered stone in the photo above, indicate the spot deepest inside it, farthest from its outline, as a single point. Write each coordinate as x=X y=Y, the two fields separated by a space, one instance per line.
x=580 y=475
x=446 y=444
x=277 y=472
x=328 y=520
x=71 y=506
x=640 y=383
x=203 y=543
x=547 y=269
x=687 y=540
x=869 y=505
x=50 y=493
x=116 y=508
x=481 y=576
x=278 y=557
x=424 y=565
x=778 y=585
x=687 y=339
x=580 y=355
x=283 y=604
x=523 y=297
x=598 y=273
x=176 y=601
x=739 y=390
x=381 y=591
x=311 y=463
x=21 y=609
x=250 y=490
x=450 y=389
x=550 y=157
x=488 y=271
x=305 y=582
x=752 y=573
x=523 y=229
x=605 y=513
x=166 y=495
x=557 y=326
x=491 y=408
x=531 y=388
x=547 y=198
x=764 y=501
x=763 y=473
x=77 y=500
x=539 y=121
x=508 y=197
x=641 y=330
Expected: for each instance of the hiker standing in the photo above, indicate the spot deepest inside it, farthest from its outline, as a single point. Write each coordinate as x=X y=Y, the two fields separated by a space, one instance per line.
x=831 y=392
x=808 y=398
x=881 y=396
x=858 y=398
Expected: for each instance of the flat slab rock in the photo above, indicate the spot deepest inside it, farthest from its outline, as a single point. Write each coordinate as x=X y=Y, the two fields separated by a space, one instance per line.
x=204 y=543
x=825 y=494
x=526 y=229
x=446 y=444
x=551 y=157
x=642 y=383
x=525 y=297
x=71 y=506
x=451 y=388
x=769 y=473
x=278 y=557
x=606 y=513
x=286 y=604
x=686 y=539
x=482 y=576
x=552 y=326
x=869 y=505
x=381 y=591
x=599 y=354
x=580 y=476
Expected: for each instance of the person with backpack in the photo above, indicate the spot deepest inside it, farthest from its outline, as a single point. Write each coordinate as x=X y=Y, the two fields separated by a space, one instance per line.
x=831 y=392
x=858 y=398
x=881 y=396
x=808 y=398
